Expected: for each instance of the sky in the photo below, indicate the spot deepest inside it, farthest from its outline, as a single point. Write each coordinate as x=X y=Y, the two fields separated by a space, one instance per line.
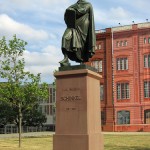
x=41 y=24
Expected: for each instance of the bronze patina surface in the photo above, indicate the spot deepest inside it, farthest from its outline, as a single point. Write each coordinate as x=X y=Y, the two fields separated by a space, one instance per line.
x=78 y=41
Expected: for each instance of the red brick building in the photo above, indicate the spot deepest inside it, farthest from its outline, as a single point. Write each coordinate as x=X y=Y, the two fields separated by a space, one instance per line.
x=123 y=59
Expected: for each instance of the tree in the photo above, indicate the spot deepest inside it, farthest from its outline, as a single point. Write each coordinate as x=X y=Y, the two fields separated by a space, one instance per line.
x=22 y=89
x=32 y=117
x=7 y=114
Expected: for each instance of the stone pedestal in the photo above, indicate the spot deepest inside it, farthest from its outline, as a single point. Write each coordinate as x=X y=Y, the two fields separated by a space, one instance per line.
x=78 y=125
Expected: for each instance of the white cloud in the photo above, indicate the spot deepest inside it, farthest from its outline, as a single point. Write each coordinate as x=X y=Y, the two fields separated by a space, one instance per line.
x=48 y=14
x=44 y=62
x=43 y=2
x=9 y=27
x=119 y=12
x=113 y=16
x=46 y=10
x=49 y=55
x=142 y=4
x=37 y=4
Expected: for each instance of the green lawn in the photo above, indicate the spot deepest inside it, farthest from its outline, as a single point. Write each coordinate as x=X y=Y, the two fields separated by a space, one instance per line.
x=111 y=142
x=127 y=142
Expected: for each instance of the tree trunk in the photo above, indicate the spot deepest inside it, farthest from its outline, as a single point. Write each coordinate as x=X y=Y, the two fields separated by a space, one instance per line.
x=20 y=125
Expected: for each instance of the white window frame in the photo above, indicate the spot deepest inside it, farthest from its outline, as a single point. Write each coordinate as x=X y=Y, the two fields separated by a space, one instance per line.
x=97 y=64
x=122 y=63
x=123 y=91
x=147 y=61
x=146 y=89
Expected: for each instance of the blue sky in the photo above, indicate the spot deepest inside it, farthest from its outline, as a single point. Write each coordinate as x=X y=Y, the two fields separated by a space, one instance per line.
x=41 y=24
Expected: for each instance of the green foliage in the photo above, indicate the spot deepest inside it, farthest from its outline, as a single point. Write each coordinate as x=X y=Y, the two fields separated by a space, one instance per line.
x=22 y=89
x=7 y=114
x=32 y=117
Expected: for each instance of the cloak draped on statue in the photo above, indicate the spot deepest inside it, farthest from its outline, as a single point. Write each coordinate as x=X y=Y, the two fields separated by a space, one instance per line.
x=78 y=41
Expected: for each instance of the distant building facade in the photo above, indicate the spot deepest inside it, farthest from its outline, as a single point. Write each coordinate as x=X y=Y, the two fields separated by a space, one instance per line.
x=123 y=59
x=47 y=107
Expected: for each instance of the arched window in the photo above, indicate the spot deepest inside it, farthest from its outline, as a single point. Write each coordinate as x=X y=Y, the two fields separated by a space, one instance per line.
x=147 y=116
x=123 y=117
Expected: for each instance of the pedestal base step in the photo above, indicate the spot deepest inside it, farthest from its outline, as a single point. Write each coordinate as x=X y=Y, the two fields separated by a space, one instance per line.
x=78 y=142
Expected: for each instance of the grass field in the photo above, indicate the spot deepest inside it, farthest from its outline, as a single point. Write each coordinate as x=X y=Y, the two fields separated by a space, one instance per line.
x=111 y=142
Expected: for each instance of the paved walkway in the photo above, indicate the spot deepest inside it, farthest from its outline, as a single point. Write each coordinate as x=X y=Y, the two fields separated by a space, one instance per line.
x=39 y=134
x=30 y=134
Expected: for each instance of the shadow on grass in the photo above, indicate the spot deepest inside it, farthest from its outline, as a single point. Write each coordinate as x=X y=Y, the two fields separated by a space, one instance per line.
x=112 y=147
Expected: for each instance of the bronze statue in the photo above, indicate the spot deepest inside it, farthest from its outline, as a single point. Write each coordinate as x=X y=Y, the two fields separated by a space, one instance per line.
x=78 y=41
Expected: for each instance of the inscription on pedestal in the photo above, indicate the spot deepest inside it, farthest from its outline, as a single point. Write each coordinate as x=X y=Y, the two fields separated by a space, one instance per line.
x=70 y=96
x=71 y=109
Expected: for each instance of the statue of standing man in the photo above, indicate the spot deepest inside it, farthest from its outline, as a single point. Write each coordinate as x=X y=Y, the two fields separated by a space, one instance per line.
x=78 y=41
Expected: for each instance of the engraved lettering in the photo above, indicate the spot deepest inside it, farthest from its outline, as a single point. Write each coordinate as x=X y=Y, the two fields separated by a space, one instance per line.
x=70 y=109
x=62 y=99
x=70 y=98
x=71 y=89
